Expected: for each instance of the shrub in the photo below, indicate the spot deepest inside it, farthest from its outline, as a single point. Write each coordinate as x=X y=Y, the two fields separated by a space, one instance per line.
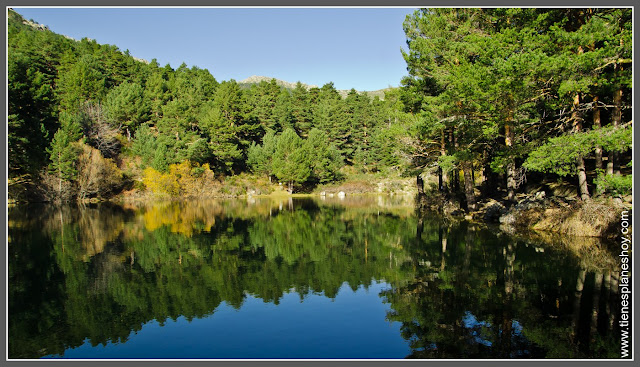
x=160 y=183
x=186 y=178
x=614 y=184
x=97 y=176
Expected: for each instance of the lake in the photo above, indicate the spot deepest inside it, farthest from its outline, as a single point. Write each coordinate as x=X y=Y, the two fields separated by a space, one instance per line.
x=363 y=277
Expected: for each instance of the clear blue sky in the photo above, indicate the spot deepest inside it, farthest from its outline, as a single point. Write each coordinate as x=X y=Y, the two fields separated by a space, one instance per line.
x=354 y=47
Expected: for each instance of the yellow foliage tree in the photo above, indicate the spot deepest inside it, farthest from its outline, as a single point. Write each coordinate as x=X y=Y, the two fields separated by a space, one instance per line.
x=160 y=183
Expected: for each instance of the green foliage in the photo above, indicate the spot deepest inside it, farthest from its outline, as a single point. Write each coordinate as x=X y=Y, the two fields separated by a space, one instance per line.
x=499 y=84
x=64 y=150
x=447 y=162
x=32 y=109
x=325 y=159
x=223 y=139
x=259 y=157
x=614 y=184
x=81 y=80
x=144 y=145
x=290 y=159
x=488 y=86
x=126 y=105
x=559 y=154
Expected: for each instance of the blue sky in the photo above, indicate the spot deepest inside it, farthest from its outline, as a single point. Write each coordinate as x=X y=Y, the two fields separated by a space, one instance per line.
x=353 y=47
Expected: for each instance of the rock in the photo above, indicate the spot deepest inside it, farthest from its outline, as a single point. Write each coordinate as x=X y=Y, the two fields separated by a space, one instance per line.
x=323 y=193
x=540 y=195
x=341 y=194
x=508 y=218
x=451 y=208
x=494 y=212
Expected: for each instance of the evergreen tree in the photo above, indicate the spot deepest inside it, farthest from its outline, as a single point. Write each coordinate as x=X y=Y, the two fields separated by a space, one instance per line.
x=290 y=159
x=64 y=150
x=127 y=106
x=324 y=158
x=222 y=132
x=82 y=80
x=260 y=157
x=32 y=113
x=301 y=115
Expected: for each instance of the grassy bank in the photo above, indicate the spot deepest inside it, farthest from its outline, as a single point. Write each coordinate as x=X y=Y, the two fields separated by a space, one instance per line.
x=247 y=185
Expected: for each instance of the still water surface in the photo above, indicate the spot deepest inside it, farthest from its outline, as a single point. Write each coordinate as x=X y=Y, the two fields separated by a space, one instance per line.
x=299 y=278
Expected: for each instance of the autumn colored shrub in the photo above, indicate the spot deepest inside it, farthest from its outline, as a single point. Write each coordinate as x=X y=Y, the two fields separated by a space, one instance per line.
x=182 y=179
x=97 y=176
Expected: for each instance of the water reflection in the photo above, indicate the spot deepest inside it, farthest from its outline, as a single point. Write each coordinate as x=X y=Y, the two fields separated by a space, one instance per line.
x=100 y=273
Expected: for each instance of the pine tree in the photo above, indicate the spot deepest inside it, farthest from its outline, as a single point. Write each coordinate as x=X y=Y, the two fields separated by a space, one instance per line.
x=260 y=157
x=290 y=159
x=324 y=159
x=64 y=150
x=127 y=107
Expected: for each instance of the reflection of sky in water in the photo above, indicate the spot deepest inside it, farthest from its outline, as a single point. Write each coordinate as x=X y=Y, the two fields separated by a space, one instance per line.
x=477 y=327
x=470 y=322
x=351 y=325
x=180 y=258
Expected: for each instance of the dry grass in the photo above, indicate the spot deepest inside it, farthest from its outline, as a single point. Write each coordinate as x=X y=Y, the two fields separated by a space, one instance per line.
x=593 y=218
x=594 y=253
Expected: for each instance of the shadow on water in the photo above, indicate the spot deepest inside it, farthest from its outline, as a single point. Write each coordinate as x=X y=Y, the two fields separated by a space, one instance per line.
x=100 y=273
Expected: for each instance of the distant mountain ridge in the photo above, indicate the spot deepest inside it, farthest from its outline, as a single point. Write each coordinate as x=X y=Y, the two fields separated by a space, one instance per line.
x=256 y=79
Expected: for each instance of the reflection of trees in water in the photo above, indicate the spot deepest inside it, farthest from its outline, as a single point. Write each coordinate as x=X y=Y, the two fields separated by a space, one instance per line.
x=148 y=267
x=101 y=272
x=479 y=295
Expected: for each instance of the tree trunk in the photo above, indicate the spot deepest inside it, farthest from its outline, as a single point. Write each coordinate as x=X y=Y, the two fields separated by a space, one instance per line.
x=419 y=229
x=366 y=250
x=453 y=172
x=582 y=178
x=420 y=184
x=469 y=186
x=473 y=175
x=582 y=172
x=596 y=306
x=610 y=164
x=61 y=230
x=511 y=164
x=606 y=283
x=443 y=152
x=60 y=177
x=456 y=172
x=577 y=298
x=615 y=278
x=597 y=123
x=507 y=315
x=617 y=121
x=443 y=243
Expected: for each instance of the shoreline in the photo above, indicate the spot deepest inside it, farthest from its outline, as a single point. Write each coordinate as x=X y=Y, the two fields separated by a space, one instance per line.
x=594 y=218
